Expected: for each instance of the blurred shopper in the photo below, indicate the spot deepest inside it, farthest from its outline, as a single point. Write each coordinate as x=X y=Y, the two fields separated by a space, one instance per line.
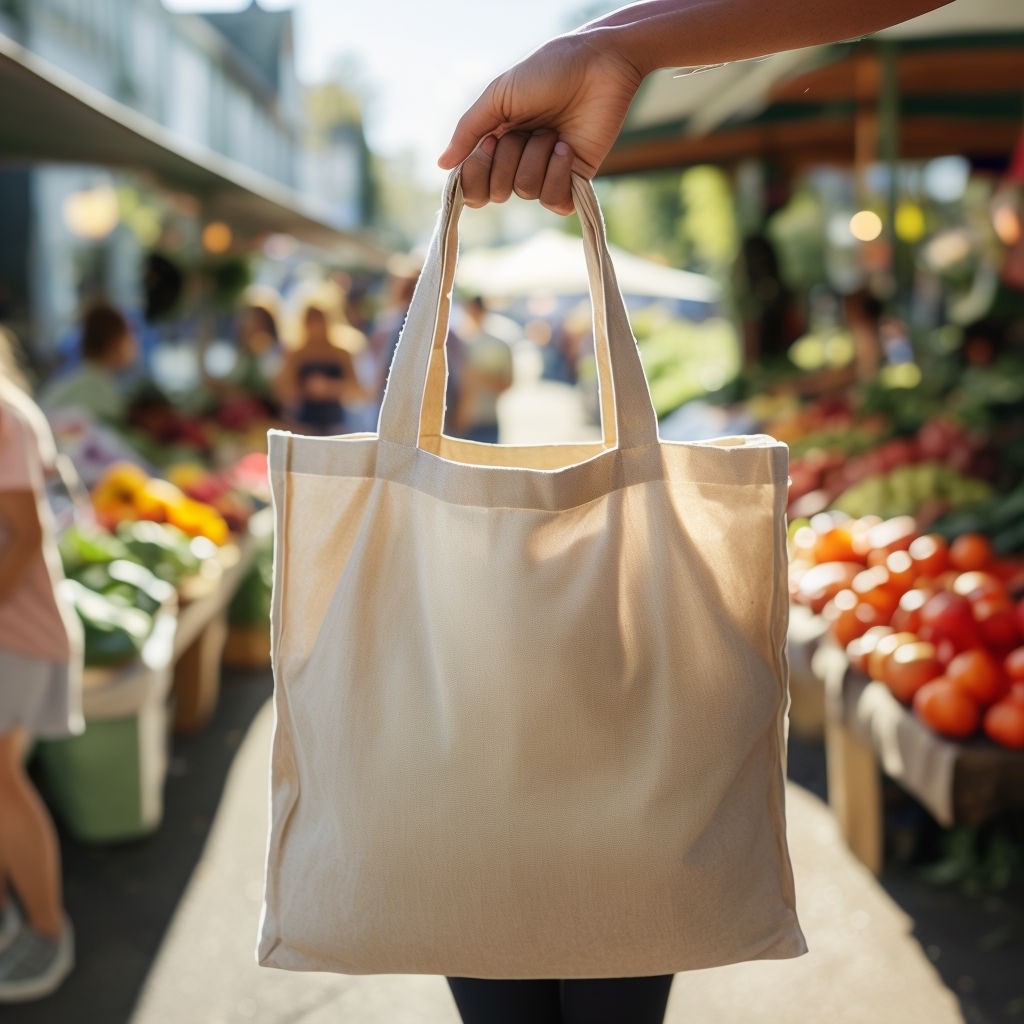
x=318 y=382
x=108 y=347
x=259 y=352
x=486 y=372
x=558 y=111
x=40 y=670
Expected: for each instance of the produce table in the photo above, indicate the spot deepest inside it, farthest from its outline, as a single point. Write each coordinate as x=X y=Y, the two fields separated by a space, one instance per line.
x=203 y=626
x=867 y=731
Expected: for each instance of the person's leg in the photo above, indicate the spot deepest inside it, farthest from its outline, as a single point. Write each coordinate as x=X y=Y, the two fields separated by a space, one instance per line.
x=616 y=1000
x=506 y=1002
x=29 y=851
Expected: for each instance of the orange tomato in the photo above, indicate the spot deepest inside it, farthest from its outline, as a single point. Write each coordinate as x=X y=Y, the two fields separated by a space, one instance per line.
x=979 y=674
x=835 y=545
x=877 y=660
x=970 y=551
x=907 y=617
x=909 y=667
x=929 y=554
x=901 y=569
x=875 y=586
x=820 y=583
x=947 y=709
x=858 y=649
x=1004 y=724
x=849 y=617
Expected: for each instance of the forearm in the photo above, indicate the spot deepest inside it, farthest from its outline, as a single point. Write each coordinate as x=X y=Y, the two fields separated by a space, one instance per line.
x=681 y=33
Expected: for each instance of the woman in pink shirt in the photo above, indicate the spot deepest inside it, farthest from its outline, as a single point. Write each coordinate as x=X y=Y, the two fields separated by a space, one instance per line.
x=40 y=669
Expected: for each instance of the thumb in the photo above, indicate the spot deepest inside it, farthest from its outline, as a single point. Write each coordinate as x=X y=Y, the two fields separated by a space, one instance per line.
x=475 y=124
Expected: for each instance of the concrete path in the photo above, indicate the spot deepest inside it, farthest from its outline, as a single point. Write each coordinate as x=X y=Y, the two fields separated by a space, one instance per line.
x=864 y=967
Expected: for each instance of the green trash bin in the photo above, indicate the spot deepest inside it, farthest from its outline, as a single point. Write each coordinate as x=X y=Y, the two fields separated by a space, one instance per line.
x=106 y=785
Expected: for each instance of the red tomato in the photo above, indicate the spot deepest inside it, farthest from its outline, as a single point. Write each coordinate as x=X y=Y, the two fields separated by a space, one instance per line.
x=909 y=667
x=901 y=569
x=997 y=621
x=849 y=617
x=820 y=583
x=907 y=616
x=976 y=584
x=1004 y=724
x=1013 y=665
x=948 y=616
x=858 y=649
x=947 y=709
x=978 y=673
x=875 y=586
x=970 y=551
x=930 y=555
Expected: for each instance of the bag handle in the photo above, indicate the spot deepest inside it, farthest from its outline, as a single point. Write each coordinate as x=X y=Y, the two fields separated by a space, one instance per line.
x=412 y=411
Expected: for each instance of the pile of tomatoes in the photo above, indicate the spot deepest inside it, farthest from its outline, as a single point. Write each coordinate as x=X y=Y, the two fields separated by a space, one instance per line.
x=940 y=623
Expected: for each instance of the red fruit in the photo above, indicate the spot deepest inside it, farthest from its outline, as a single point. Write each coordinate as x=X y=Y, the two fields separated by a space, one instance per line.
x=998 y=622
x=970 y=551
x=894 y=534
x=948 y=616
x=907 y=617
x=909 y=667
x=930 y=555
x=976 y=584
x=849 y=617
x=819 y=584
x=947 y=709
x=979 y=674
x=1013 y=665
x=1004 y=724
x=859 y=649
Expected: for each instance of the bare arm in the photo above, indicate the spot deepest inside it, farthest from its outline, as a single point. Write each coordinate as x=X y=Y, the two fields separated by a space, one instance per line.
x=19 y=517
x=561 y=108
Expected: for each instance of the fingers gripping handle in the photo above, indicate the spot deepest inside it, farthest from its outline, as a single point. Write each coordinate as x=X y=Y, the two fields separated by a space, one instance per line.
x=413 y=406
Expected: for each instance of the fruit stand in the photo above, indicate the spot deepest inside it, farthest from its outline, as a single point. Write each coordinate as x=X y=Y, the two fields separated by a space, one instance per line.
x=153 y=568
x=906 y=640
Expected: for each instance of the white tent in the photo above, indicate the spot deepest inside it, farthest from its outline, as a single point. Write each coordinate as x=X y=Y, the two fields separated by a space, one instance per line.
x=551 y=263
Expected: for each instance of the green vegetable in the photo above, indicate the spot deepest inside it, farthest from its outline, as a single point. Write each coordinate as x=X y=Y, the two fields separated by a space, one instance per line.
x=80 y=547
x=250 y=605
x=163 y=549
x=114 y=633
x=127 y=583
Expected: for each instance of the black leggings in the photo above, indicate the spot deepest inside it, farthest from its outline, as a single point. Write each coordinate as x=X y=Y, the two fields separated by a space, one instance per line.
x=583 y=1001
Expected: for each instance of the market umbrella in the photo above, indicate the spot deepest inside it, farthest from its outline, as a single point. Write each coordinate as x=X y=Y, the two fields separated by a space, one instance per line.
x=551 y=263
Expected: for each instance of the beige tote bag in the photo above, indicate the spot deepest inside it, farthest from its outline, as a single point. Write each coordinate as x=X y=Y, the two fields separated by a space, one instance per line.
x=529 y=700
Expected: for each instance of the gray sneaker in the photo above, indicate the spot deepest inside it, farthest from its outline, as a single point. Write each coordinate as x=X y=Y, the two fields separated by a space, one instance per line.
x=33 y=965
x=10 y=924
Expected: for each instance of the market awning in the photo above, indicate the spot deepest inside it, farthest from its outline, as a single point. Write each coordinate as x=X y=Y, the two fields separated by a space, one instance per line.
x=958 y=80
x=48 y=115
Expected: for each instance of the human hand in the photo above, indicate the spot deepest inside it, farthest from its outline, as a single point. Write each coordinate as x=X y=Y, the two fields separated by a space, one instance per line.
x=557 y=111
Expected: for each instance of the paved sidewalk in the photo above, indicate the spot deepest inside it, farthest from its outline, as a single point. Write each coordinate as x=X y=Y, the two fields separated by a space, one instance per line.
x=864 y=967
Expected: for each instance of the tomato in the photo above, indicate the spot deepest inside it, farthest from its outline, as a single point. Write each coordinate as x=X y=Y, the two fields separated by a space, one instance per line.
x=876 y=661
x=976 y=584
x=909 y=667
x=894 y=534
x=997 y=621
x=849 y=617
x=970 y=551
x=1004 y=724
x=875 y=587
x=820 y=583
x=860 y=531
x=835 y=545
x=859 y=648
x=907 y=617
x=1013 y=665
x=978 y=673
x=930 y=555
x=947 y=709
x=901 y=569
x=948 y=616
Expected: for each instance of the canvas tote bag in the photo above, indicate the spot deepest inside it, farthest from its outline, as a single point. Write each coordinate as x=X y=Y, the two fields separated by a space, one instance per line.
x=529 y=701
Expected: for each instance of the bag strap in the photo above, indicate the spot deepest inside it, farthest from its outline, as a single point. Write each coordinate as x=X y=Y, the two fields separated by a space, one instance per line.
x=413 y=405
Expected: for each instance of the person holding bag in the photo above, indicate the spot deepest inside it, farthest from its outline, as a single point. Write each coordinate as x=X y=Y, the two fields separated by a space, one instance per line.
x=558 y=113
x=557 y=777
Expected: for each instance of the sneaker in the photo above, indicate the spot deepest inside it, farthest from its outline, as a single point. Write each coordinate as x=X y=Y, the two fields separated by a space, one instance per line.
x=10 y=924
x=33 y=965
